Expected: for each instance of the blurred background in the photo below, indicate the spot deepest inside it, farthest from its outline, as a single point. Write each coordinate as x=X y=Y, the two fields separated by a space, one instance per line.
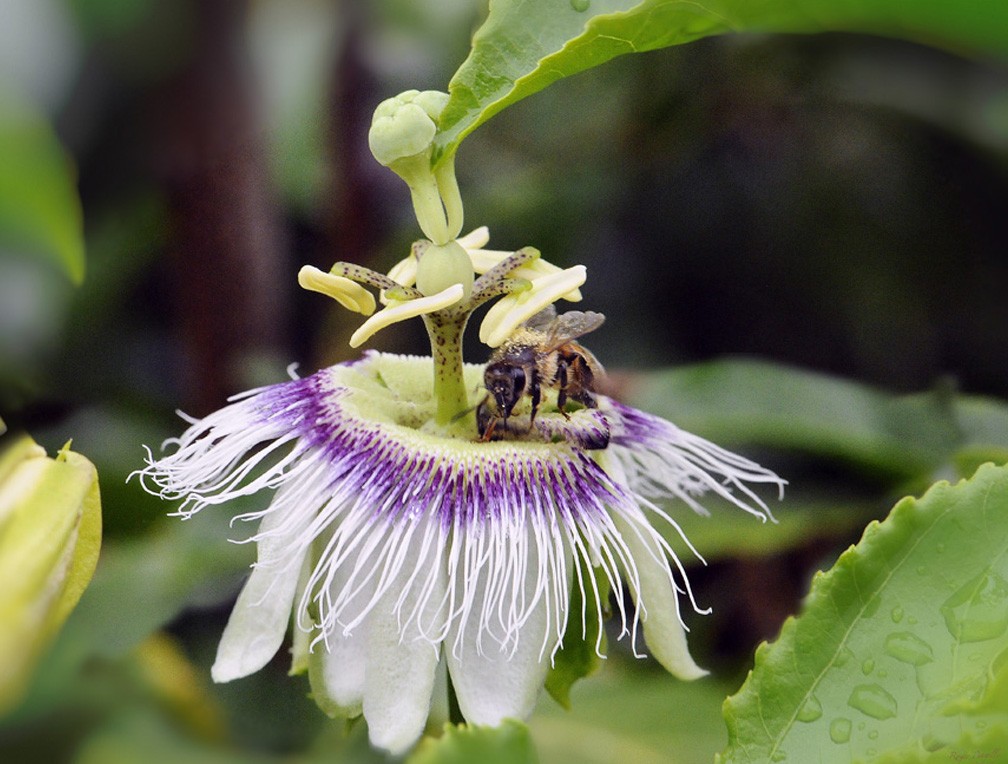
x=833 y=204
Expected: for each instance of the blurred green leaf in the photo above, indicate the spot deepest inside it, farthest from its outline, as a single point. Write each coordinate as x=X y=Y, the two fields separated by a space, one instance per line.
x=507 y=744
x=523 y=47
x=578 y=658
x=106 y=18
x=188 y=563
x=984 y=426
x=40 y=210
x=629 y=712
x=730 y=534
x=50 y=534
x=901 y=650
x=764 y=404
x=141 y=734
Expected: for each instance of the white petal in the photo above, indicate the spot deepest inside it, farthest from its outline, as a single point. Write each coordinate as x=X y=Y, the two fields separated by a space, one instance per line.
x=401 y=660
x=300 y=635
x=403 y=310
x=495 y=681
x=336 y=674
x=657 y=600
x=337 y=663
x=258 y=622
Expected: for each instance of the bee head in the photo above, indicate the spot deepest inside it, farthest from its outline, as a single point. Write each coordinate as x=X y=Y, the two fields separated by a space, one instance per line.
x=505 y=382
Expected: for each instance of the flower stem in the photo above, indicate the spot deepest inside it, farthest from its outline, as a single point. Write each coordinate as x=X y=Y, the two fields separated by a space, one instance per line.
x=446 y=349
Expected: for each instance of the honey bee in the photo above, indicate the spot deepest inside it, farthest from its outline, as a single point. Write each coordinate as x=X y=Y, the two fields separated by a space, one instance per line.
x=542 y=352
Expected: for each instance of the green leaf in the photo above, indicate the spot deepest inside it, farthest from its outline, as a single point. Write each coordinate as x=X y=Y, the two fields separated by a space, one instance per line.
x=633 y=711
x=50 y=534
x=984 y=426
x=507 y=744
x=185 y=564
x=578 y=657
x=901 y=650
x=40 y=210
x=140 y=734
x=754 y=402
x=729 y=534
x=523 y=47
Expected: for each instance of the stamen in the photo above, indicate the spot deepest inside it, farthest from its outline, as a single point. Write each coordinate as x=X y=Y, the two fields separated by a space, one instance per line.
x=401 y=311
x=511 y=312
x=348 y=294
x=371 y=278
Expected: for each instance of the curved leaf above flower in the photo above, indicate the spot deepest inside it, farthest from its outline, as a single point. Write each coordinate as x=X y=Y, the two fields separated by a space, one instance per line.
x=523 y=47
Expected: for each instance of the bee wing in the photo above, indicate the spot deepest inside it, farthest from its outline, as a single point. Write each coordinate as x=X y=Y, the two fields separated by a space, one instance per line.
x=542 y=319
x=571 y=325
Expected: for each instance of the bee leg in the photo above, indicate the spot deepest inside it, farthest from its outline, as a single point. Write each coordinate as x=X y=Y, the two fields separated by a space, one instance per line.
x=561 y=377
x=534 y=393
x=486 y=422
x=489 y=431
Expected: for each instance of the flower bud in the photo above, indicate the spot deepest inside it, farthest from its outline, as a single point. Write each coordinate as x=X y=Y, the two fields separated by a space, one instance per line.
x=402 y=138
x=50 y=532
x=404 y=126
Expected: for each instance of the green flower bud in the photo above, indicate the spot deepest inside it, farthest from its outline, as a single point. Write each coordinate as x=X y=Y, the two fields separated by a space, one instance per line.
x=404 y=126
x=50 y=532
x=402 y=138
x=441 y=266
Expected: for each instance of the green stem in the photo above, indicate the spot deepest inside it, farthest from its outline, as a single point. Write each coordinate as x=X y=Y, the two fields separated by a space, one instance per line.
x=446 y=349
x=450 y=196
x=427 y=206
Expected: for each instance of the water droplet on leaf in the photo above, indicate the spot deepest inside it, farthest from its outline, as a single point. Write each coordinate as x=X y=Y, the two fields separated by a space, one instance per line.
x=872 y=700
x=931 y=744
x=839 y=730
x=897 y=614
x=810 y=711
x=978 y=611
x=909 y=648
x=868 y=666
x=580 y=5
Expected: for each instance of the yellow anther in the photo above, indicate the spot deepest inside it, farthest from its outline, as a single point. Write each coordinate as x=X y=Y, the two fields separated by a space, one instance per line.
x=512 y=311
x=399 y=311
x=347 y=293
